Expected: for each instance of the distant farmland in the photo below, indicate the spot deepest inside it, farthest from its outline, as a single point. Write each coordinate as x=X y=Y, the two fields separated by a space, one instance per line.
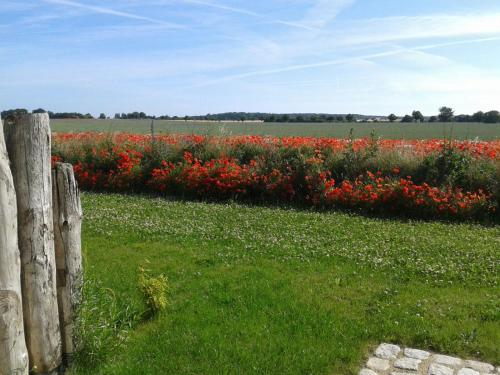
x=337 y=130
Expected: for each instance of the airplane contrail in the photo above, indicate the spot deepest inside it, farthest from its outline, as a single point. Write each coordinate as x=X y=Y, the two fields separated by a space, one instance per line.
x=251 y=13
x=102 y=10
x=343 y=61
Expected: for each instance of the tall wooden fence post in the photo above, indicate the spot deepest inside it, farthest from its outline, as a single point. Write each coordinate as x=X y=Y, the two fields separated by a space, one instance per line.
x=28 y=143
x=13 y=352
x=67 y=236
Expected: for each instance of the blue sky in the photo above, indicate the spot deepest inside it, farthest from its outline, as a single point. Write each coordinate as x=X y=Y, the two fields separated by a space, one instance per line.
x=205 y=56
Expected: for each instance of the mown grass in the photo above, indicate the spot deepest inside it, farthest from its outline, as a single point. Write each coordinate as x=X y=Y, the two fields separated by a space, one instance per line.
x=335 y=130
x=257 y=290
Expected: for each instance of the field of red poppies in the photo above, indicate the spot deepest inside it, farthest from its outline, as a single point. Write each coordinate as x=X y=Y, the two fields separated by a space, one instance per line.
x=414 y=178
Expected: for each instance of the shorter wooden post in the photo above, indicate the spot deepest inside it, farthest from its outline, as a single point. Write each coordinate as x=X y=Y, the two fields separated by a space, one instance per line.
x=67 y=239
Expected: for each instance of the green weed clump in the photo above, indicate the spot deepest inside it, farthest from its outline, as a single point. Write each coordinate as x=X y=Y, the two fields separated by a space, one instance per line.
x=154 y=290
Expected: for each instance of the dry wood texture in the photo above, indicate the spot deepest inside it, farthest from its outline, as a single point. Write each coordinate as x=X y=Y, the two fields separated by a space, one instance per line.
x=13 y=352
x=28 y=143
x=67 y=236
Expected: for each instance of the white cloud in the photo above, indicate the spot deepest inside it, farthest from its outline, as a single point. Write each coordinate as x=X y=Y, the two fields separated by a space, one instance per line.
x=9 y=6
x=222 y=7
x=374 y=33
x=342 y=61
x=249 y=13
x=112 y=12
x=419 y=59
x=378 y=30
x=325 y=11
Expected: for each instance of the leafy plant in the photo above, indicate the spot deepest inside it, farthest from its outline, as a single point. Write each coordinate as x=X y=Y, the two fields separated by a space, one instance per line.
x=154 y=290
x=449 y=167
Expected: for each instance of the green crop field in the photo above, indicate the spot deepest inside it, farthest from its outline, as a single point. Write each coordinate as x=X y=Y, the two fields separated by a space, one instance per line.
x=337 y=130
x=255 y=290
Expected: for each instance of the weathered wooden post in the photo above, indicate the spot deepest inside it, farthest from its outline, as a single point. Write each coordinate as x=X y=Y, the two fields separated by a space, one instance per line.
x=13 y=352
x=28 y=144
x=67 y=236
x=153 y=130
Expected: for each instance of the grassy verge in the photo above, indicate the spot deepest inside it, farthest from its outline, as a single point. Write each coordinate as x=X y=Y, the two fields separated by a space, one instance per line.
x=256 y=290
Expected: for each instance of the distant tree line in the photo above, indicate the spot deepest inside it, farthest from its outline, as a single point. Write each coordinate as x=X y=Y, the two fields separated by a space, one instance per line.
x=230 y=116
x=266 y=117
x=309 y=117
x=69 y=115
x=53 y=115
x=133 y=116
x=446 y=114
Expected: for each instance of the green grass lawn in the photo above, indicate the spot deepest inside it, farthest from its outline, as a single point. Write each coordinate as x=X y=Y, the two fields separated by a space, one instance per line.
x=257 y=290
x=337 y=130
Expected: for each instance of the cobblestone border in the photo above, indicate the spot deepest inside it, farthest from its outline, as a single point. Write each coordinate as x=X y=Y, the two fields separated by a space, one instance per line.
x=390 y=359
